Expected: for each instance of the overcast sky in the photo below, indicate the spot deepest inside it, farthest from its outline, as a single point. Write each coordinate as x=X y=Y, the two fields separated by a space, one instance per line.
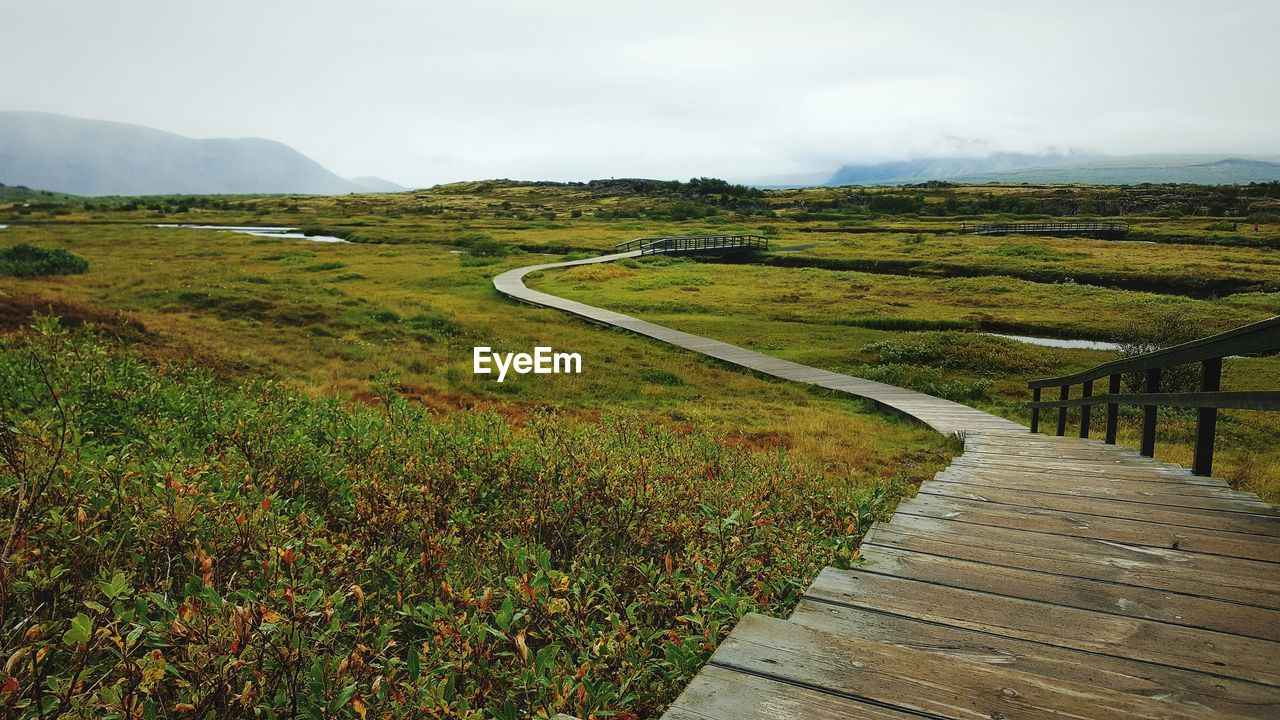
x=427 y=92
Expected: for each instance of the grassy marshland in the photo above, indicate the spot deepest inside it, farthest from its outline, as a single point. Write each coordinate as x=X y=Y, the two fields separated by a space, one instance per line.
x=254 y=477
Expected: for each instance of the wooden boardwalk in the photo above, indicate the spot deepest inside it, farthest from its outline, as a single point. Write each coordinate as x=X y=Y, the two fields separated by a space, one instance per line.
x=942 y=415
x=1036 y=577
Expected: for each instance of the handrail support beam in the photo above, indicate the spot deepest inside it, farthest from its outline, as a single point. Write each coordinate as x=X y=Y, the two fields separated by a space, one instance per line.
x=1207 y=418
x=1148 y=448
x=1113 y=409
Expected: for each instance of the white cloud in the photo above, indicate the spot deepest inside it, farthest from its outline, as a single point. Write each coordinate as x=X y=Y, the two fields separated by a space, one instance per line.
x=422 y=92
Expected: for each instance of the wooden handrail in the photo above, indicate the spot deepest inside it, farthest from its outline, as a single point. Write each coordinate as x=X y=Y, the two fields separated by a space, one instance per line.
x=1259 y=337
x=1111 y=227
x=1255 y=400
x=654 y=245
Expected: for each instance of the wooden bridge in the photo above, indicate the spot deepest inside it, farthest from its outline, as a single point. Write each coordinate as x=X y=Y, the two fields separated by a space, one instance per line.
x=694 y=244
x=1036 y=577
x=1106 y=230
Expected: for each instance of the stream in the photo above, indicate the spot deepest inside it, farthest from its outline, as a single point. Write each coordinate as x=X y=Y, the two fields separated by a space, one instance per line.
x=284 y=233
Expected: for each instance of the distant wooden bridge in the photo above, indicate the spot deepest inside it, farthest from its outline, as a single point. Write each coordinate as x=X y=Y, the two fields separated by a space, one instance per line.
x=694 y=244
x=1036 y=577
x=1105 y=230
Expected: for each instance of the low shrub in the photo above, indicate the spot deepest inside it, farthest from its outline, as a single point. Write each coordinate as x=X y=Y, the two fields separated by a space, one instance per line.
x=184 y=547
x=1030 y=252
x=321 y=267
x=1162 y=328
x=971 y=352
x=899 y=323
x=929 y=380
x=31 y=261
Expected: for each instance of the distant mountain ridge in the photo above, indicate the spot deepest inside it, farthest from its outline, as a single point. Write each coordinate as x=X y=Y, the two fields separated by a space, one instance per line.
x=1073 y=168
x=97 y=157
x=373 y=183
x=939 y=168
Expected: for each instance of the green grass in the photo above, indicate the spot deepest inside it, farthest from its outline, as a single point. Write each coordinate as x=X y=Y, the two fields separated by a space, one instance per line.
x=921 y=333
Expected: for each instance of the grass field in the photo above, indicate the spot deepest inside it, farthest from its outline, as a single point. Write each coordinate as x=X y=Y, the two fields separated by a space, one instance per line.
x=901 y=330
x=269 y=483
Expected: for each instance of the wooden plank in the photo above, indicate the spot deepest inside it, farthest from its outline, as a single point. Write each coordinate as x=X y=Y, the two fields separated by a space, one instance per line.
x=1102 y=487
x=1071 y=591
x=1106 y=453
x=1182 y=688
x=1242 y=581
x=1131 y=491
x=1133 y=532
x=920 y=681
x=718 y=693
x=1264 y=527
x=1107 y=470
x=1204 y=651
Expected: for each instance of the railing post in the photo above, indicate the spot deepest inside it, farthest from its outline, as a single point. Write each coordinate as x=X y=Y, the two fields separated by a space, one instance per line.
x=1207 y=418
x=1062 y=411
x=1035 y=411
x=1084 y=409
x=1113 y=409
x=1149 y=415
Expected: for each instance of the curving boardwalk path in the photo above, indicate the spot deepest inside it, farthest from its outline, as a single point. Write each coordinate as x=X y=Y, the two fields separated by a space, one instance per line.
x=941 y=415
x=1036 y=577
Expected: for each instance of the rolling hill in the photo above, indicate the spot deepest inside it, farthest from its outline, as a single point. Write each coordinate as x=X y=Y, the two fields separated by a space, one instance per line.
x=96 y=157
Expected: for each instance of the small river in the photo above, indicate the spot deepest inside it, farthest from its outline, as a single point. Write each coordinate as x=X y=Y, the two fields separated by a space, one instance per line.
x=284 y=233
x=1060 y=343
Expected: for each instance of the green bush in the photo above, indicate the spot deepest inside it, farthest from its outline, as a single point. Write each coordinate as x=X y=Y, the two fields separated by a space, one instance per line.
x=971 y=352
x=1030 y=252
x=483 y=246
x=1164 y=327
x=32 y=261
x=928 y=380
x=321 y=267
x=898 y=323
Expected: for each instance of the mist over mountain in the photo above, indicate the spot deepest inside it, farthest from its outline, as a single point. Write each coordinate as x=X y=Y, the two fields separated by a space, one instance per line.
x=941 y=168
x=372 y=183
x=1070 y=168
x=1194 y=169
x=96 y=157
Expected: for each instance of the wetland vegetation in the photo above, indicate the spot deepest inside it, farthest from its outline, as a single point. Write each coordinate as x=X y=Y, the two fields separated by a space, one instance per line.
x=252 y=476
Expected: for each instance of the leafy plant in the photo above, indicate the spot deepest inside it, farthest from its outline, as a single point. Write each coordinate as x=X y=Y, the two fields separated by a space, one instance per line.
x=183 y=547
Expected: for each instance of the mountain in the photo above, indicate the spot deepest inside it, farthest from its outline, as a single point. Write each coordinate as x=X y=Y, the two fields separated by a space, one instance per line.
x=939 y=168
x=1072 y=168
x=376 y=184
x=95 y=157
x=1195 y=169
x=816 y=178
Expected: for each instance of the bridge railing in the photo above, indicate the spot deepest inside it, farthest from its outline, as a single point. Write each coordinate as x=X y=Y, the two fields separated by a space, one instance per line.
x=692 y=243
x=1108 y=227
x=1260 y=337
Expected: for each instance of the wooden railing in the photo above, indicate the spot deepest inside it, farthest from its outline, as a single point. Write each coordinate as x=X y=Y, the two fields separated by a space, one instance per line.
x=693 y=243
x=1260 y=337
x=1110 y=228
